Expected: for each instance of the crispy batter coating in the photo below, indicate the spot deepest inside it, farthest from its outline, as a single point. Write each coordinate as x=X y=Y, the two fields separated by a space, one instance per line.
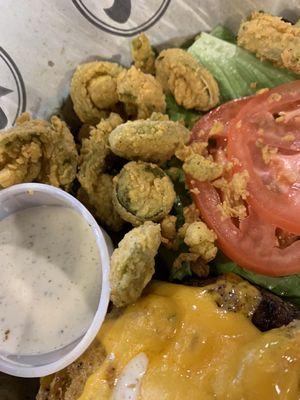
x=196 y=264
x=84 y=132
x=200 y=239
x=202 y=168
x=94 y=150
x=94 y=90
x=148 y=140
x=189 y=82
x=191 y=213
x=168 y=227
x=143 y=192
x=36 y=150
x=97 y=186
x=132 y=263
x=100 y=202
x=69 y=383
x=273 y=39
x=142 y=54
x=234 y=192
x=141 y=93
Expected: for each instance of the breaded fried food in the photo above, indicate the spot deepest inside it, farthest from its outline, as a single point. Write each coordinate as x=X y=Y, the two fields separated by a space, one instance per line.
x=100 y=202
x=37 y=150
x=200 y=239
x=142 y=54
x=171 y=325
x=94 y=150
x=204 y=169
x=148 y=140
x=143 y=192
x=192 y=85
x=94 y=90
x=69 y=383
x=141 y=93
x=97 y=187
x=132 y=263
x=272 y=39
x=84 y=132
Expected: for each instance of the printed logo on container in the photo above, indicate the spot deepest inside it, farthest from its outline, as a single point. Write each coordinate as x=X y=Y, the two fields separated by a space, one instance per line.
x=122 y=17
x=12 y=91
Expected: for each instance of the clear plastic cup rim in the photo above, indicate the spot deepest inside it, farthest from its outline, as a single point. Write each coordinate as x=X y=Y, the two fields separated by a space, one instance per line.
x=65 y=356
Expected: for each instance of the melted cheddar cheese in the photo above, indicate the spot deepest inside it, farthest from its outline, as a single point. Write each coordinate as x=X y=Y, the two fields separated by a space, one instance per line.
x=196 y=351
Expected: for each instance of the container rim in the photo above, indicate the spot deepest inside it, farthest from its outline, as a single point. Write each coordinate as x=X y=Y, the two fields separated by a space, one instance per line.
x=104 y=247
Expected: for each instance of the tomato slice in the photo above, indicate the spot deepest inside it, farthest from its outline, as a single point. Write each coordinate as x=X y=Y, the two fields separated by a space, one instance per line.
x=222 y=116
x=271 y=119
x=253 y=245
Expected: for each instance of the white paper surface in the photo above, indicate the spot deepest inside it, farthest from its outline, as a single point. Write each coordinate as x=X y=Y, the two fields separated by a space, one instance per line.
x=42 y=41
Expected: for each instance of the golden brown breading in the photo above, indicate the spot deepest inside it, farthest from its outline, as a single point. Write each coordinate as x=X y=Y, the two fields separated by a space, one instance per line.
x=141 y=93
x=132 y=263
x=97 y=186
x=189 y=82
x=152 y=140
x=143 y=192
x=142 y=54
x=200 y=239
x=94 y=90
x=36 y=150
x=100 y=202
x=68 y=384
x=273 y=39
x=201 y=168
x=234 y=192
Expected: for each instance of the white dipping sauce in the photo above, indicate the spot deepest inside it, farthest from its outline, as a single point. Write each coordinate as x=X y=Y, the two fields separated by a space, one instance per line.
x=50 y=279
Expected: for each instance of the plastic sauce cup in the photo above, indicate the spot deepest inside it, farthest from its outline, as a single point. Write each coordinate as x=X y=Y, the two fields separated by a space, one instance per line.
x=27 y=195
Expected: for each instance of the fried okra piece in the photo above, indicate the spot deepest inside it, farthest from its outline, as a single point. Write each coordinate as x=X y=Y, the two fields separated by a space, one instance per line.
x=96 y=186
x=99 y=202
x=94 y=90
x=200 y=239
x=273 y=39
x=143 y=192
x=192 y=85
x=132 y=263
x=94 y=151
x=148 y=140
x=141 y=93
x=204 y=169
x=142 y=54
x=37 y=150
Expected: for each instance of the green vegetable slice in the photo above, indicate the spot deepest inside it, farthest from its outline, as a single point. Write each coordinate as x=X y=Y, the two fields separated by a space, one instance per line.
x=238 y=72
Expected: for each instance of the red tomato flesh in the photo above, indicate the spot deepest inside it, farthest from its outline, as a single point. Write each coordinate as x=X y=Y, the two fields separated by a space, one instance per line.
x=270 y=119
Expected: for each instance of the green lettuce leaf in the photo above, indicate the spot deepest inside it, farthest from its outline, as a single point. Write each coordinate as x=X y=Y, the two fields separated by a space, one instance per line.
x=285 y=286
x=178 y=113
x=238 y=72
x=223 y=33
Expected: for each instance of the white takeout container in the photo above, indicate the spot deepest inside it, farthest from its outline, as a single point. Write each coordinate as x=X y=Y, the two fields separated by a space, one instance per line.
x=29 y=195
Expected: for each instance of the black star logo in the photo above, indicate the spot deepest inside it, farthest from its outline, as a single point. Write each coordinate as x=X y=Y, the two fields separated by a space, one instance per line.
x=120 y=11
x=3 y=118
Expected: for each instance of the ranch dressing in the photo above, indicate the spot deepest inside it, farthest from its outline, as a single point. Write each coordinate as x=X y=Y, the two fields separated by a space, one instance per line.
x=50 y=279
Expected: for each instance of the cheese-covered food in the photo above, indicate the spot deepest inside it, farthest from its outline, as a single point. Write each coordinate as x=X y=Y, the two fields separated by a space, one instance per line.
x=180 y=342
